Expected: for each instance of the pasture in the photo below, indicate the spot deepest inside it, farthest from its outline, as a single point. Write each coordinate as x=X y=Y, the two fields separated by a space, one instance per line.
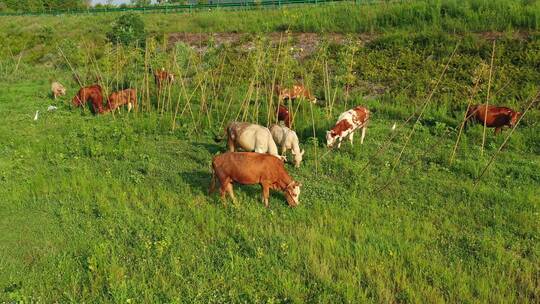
x=114 y=208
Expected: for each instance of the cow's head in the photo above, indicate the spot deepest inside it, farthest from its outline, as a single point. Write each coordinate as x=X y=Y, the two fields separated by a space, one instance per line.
x=61 y=91
x=76 y=101
x=292 y=193
x=331 y=137
x=514 y=119
x=298 y=158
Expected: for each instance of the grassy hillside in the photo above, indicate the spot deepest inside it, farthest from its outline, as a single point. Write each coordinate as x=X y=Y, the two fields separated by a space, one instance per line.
x=37 y=35
x=115 y=208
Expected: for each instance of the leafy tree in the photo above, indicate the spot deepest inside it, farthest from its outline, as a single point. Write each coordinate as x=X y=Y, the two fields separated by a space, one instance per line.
x=141 y=2
x=128 y=30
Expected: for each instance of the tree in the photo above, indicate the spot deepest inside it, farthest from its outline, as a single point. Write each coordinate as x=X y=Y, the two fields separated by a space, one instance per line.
x=128 y=30
x=141 y=2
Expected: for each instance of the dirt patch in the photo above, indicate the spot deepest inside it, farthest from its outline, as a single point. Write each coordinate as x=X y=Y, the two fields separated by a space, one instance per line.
x=303 y=44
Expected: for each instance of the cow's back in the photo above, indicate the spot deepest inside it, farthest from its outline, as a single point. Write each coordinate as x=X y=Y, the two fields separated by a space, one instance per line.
x=248 y=167
x=253 y=136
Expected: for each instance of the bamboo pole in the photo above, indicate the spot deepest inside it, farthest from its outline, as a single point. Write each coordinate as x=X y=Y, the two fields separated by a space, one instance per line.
x=487 y=99
x=426 y=103
x=465 y=118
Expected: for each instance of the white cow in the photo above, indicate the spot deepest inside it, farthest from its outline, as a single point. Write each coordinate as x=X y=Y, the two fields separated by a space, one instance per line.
x=288 y=140
x=57 y=89
x=251 y=137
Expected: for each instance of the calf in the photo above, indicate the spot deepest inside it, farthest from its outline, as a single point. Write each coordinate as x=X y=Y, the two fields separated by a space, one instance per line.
x=250 y=168
x=283 y=115
x=251 y=137
x=493 y=116
x=125 y=97
x=288 y=140
x=347 y=123
x=92 y=93
x=163 y=77
x=296 y=92
x=57 y=89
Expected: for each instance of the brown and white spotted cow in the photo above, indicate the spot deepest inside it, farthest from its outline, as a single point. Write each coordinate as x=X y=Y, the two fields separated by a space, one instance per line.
x=294 y=93
x=347 y=123
x=163 y=78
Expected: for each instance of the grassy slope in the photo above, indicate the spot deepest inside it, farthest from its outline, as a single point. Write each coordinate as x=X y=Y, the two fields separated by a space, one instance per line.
x=34 y=34
x=103 y=209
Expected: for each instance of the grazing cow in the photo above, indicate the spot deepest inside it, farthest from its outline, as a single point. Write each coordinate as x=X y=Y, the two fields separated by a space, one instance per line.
x=283 y=115
x=163 y=77
x=57 y=89
x=251 y=137
x=495 y=117
x=250 y=168
x=347 y=123
x=92 y=93
x=296 y=92
x=125 y=97
x=287 y=140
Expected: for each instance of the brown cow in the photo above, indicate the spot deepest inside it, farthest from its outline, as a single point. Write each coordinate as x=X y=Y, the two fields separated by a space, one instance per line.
x=125 y=97
x=347 y=123
x=250 y=168
x=296 y=92
x=92 y=93
x=495 y=117
x=283 y=115
x=163 y=77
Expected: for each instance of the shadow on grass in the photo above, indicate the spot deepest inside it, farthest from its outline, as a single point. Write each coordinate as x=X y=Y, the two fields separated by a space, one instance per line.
x=213 y=149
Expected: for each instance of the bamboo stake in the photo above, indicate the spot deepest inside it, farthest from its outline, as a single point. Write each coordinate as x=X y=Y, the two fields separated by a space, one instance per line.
x=477 y=180
x=487 y=98
x=271 y=98
x=398 y=159
x=71 y=67
x=465 y=118
x=315 y=145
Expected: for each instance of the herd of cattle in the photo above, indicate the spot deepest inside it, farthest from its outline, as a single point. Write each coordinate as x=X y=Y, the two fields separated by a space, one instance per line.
x=263 y=163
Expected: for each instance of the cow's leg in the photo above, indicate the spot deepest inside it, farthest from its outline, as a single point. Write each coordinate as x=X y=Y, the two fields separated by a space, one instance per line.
x=212 y=183
x=265 y=194
x=363 y=135
x=351 y=137
x=497 y=130
x=129 y=107
x=231 y=193
x=230 y=143
x=339 y=142
x=283 y=150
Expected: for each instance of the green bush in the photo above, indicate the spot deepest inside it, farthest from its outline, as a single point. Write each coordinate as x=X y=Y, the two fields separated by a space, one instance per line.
x=128 y=30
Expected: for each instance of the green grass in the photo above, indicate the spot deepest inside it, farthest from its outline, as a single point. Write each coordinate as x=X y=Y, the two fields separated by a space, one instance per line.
x=115 y=208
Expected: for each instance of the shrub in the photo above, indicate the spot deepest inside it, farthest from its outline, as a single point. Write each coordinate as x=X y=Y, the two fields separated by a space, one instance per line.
x=128 y=30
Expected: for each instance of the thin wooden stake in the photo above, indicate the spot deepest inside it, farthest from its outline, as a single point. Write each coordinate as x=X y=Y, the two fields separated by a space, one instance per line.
x=487 y=98
x=398 y=159
x=465 y=118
